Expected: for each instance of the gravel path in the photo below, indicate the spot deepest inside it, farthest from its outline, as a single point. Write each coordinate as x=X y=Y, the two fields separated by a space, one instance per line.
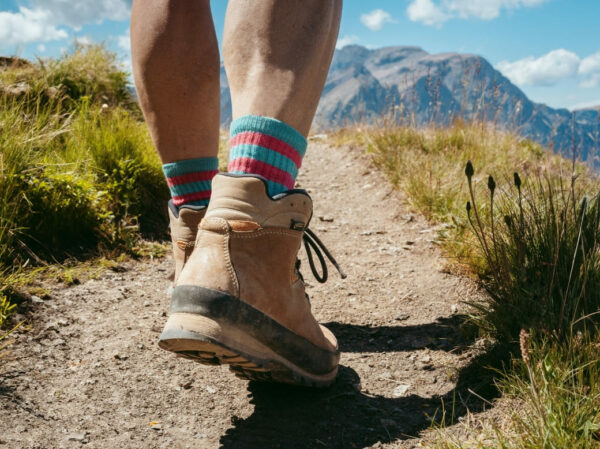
x=89 y=371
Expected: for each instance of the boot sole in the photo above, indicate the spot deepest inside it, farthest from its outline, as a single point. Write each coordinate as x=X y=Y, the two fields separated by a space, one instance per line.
x=215 y=328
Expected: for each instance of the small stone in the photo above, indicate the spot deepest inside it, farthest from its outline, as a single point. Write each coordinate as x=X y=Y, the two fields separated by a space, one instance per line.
x=402 y=317
x=425 y=366
x=118 y=356
x=77 y=436
x=210 y=389
x=36 y=299
x=326 y=218
x=454 y=308
x=400 y=391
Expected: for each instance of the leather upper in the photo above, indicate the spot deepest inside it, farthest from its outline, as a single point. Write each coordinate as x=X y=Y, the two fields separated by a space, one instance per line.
x=184 y=229
x=247 y=246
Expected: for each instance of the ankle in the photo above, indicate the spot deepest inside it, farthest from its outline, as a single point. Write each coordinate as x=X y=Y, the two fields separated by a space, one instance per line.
x=190 y=180
x=266 y=147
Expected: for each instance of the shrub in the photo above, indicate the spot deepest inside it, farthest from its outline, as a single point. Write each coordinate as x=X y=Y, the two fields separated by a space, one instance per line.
x=87 y=72
x=78 y=172
x=60 y=214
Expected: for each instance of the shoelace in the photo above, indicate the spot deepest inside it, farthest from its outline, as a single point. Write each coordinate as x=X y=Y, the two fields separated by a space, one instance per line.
x=312 y=241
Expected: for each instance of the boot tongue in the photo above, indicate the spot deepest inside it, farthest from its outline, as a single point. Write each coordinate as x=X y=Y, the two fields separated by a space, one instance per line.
x=245 y=198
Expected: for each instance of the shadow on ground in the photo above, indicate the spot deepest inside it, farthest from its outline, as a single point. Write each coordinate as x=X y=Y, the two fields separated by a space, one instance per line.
x=343 y=417
x=442 y=335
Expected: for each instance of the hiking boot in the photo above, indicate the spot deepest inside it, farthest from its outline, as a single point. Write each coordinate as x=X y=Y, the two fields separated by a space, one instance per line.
x=184 y=223
x=240 y=298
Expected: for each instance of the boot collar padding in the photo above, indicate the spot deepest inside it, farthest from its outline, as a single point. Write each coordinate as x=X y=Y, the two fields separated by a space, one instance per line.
x=245 y=198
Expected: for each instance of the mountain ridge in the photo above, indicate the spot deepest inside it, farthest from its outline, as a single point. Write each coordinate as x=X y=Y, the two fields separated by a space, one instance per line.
x=408 y=85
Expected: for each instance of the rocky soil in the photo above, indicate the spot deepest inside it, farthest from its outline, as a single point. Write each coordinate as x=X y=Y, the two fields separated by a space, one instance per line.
x=88 y=372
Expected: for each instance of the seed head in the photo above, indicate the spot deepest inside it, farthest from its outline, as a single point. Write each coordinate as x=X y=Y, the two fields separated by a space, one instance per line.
x=517 y=180
x=469 y=170
x=524 y=342
x=508 y=220
x=491 y=184
x=468 y=207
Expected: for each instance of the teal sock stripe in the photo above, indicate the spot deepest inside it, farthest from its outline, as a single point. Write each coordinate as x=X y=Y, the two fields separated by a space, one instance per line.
x=190 y=166
x=272 y=127
x=190 y=187
x=190 y=180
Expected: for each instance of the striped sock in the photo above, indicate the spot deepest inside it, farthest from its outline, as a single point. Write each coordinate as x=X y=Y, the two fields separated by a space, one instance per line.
x=190 y=180
x=267 y=147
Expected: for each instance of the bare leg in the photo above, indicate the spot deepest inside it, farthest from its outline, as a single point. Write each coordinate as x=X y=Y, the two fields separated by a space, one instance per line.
x=176 y=70
x=277 y=54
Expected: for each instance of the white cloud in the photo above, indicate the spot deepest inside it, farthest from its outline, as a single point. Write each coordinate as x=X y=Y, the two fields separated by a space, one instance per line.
x=124 y=41
x=44 y=20
x=427 y=12
x=587 y=104
x=543 y=71
x=84 y=40
x=26 y=26
x=432 y=13
x=375 y=19
x=41 y=48
x=346 y=40
x=77 y=13
x=589 y=69
x=590 y=64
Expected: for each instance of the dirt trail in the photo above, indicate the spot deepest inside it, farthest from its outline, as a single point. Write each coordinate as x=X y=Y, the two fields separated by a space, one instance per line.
x=90 y=371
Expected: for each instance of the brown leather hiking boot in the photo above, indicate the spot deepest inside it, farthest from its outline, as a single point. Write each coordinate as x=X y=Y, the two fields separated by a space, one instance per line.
x=184 y=223
x=240 y=299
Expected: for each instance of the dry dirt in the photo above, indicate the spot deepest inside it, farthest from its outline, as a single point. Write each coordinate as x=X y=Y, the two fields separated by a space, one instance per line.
x=89 y=371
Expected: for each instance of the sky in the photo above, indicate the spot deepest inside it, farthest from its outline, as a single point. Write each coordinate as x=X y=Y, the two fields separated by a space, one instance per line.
x=549 y=48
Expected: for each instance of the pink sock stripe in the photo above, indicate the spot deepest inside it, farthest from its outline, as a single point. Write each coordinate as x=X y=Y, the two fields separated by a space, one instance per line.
x=192 y=177
x=266 y=141
x=178 y=200
x=267 y=171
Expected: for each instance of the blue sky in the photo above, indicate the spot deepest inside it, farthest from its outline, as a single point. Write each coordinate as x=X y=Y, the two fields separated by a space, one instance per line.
x=549 y=48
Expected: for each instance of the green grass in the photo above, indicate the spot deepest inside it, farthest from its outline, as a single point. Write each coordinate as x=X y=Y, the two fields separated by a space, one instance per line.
x=79 y=177
x=525 y=223
x=80 y=180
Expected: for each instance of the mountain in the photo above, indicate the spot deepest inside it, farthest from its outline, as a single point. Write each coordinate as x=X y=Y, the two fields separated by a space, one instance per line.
x=409 y=85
